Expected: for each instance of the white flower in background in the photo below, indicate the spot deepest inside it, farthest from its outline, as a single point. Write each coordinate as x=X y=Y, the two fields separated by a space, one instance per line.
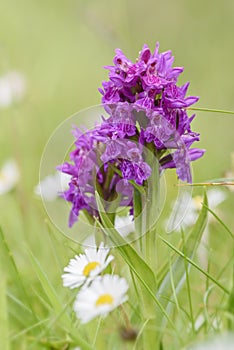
x=85 y=267
x=186 y=210
x=185 y=214
x=123 y=224
x=9 y=176
x=101 y=297
x=201 y=320
x=222 y=342
x=52 y=185
x=215 y=198
x=12 y=88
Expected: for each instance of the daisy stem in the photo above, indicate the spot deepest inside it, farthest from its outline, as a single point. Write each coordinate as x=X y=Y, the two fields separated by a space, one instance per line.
x=99 y=235
x=125 y=317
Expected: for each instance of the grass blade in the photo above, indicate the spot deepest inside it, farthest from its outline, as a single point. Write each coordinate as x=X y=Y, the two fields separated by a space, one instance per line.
x=165 y=294
x=14 y=274
x=48 y=289
x=195 y=265
x=221 y=222
x=4 y=331
x=223 y=111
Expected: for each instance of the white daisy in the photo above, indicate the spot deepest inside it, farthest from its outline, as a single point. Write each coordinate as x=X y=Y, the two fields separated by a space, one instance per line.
x=85 y=267
x=9 y=176
x=101 y=297
x=12 y=88
x=52 y=185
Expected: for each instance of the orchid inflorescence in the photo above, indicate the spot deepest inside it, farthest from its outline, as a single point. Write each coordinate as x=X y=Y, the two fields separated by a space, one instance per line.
x=146 y=110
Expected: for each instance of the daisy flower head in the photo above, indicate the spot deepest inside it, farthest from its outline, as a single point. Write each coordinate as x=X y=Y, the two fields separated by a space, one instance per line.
x=101 y=297
x=85 y=267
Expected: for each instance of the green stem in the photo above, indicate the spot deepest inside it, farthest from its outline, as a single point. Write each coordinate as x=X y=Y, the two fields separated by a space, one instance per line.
x=188 y=284
x=210 y=110
x=201 y=184
x=151 y=337
x=152 y=206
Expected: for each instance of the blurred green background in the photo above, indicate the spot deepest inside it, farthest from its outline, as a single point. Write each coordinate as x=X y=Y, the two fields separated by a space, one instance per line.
x=61 y=47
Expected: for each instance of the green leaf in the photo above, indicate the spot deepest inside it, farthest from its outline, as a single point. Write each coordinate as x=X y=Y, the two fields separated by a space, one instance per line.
x=133 y=259
x=178 y=268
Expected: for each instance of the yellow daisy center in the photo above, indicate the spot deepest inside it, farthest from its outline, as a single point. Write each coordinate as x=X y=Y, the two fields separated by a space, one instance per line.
x=89 y=267
x=105 y=299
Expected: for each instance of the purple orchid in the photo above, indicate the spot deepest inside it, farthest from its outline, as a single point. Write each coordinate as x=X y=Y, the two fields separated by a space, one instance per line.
x=146 y=110
x=158 y=105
